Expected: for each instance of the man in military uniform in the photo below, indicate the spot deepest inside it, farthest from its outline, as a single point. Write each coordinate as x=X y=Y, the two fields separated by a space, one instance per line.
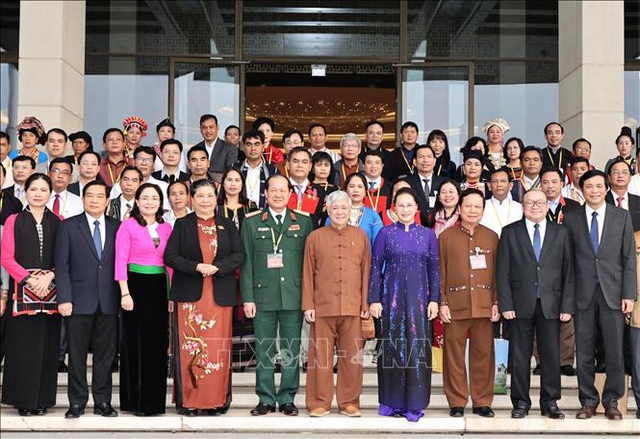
x=270 y=282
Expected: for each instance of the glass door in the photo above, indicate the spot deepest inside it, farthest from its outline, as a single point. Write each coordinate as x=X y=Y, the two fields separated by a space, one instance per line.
x=439 y=96
x=199 y=87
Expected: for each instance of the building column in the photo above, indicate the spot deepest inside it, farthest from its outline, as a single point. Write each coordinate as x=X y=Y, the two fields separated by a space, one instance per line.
x=591 y=74
x=51 y=63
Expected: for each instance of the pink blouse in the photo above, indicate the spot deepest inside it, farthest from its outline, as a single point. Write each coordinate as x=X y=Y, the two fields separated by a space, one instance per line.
x=134 y=245
x=9 y=262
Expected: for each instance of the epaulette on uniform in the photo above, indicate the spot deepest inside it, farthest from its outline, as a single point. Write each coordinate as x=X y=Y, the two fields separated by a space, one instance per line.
x=301 y=212
x=252 y=214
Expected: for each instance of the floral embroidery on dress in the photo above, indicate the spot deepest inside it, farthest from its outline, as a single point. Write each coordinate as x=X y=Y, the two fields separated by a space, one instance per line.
x=200 y=365
x=211 y=231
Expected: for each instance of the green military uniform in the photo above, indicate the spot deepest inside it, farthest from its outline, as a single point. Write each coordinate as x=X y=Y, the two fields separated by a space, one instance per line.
x=278 y=297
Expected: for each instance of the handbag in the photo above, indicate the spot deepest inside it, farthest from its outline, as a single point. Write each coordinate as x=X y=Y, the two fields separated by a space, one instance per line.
x=367 y=328
x=27 y=302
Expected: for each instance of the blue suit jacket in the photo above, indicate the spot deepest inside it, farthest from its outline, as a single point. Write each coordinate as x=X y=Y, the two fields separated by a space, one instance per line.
x=81 y=277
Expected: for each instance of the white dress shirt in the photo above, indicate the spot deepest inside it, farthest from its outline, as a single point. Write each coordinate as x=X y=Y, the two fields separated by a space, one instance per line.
x=70 y=204
x=123 y=207
x=498 y=214
x=274 y=213
x=573 y=192
x=102 y=227
x=531 y=230
x=252 y=182
x=116 y=190
x=601 y=214
x=625 y=200
x=377 y=183
x=634 y=186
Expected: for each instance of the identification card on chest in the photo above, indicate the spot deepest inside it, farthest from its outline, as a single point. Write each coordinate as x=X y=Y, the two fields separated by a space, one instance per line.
x=275 y=260
x=478 y=260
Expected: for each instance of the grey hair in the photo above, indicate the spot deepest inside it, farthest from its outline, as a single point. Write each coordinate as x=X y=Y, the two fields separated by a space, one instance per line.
x=533 y=190
x=337 y=196
x=350 y=136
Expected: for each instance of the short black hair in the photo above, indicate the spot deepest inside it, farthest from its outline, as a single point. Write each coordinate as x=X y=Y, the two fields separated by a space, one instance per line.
x=4 y=135
x=553 y=123
x=144 y=150
x=88 y=151
x=262 y=120
x=59 y=160
x=552 y=169
x=205 y=182
x=591 y=173
x=297 y=150
x=109 y=131
x=232 y=127
x=253 y=134
x=372 y=153
x=617 y=161
x=530 y=148
x=409 y=124
x=470 y=191
x=107 y=189
x=291 y=132
x=197 y=148
x=581 y=139
x=314 y=125
x=171 y=142
x=373 y=122
x=580 y=160
x=504 y=170
x=58 y=131
x=38 y=176
x=208 y=116
x=425 y=146
x=24 y=158
x=406 y=191
x=131 y=168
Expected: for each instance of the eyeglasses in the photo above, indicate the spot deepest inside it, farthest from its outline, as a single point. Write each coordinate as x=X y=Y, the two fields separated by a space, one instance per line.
x=621 y=172
x=152 y=199
x=582 y=150
x=539 y=203
x=61 y=171
x=144 y=160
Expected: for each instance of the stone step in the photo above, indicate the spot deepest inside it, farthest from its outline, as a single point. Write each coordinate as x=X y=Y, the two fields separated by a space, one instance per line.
x=238 y=421
x=245 y=398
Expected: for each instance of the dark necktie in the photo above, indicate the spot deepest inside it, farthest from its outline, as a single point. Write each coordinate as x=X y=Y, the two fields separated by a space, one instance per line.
x=619 y=201
x=279 y=221
x=172 y=178
x=372 y=185
x=427 y=190
x=56 y=205
x=594 y=231
x=97 y=238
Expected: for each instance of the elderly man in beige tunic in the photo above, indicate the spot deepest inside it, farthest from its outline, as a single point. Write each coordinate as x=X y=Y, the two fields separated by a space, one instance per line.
x=335 y=277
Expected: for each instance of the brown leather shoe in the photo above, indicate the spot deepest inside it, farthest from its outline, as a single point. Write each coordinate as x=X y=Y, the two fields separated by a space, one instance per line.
x=613 y=414
x=586 y=412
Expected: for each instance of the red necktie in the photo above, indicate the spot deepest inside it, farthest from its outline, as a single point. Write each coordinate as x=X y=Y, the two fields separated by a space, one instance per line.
x=620 y=201
x=56 y=205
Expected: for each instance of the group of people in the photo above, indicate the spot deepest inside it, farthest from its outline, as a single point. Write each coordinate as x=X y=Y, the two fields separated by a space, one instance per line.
x=227 y=255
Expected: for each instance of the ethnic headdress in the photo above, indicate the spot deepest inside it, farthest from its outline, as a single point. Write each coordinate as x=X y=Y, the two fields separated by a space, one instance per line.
x=134 y=121
x=32 y=124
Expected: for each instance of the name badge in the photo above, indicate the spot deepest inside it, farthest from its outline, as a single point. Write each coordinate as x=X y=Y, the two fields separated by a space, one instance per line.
x=478 y=262
x=432 y=201
x=275 y=260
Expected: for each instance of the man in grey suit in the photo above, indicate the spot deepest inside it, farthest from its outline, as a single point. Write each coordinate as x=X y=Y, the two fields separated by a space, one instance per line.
x=605 y=273
x=222 y=155
x=535 y=292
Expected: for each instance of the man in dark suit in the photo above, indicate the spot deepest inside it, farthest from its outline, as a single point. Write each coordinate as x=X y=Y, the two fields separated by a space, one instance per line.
x=535 y=290
x=170 y=154
x=89 y=298
x=605 y=268
x=425 y=182
x=400 y=161
x=221 y=154
x=619 y=196
x=554 y=154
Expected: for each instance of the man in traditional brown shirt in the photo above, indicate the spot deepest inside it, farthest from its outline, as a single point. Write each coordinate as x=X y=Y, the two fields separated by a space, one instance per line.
x=335 y=277
x=469 y=306
x=115 y=161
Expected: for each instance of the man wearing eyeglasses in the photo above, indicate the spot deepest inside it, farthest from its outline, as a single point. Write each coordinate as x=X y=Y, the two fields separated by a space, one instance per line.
x=535 y=292
x=618 y=195
x=144 y=158
x=62 y=202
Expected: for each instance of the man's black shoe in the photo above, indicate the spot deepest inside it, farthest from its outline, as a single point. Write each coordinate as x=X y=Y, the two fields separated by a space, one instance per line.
x=288 y=409
x=187 y=412
x=62 y=367
x=75 y=411
x=40 y=411
x=601 y=368
x=485 y=412
x=536 y=370
x=105 y=409
x=262 y=409
x=568 y=370
x=519 y=412
x=552 y=413
x=456 y=412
